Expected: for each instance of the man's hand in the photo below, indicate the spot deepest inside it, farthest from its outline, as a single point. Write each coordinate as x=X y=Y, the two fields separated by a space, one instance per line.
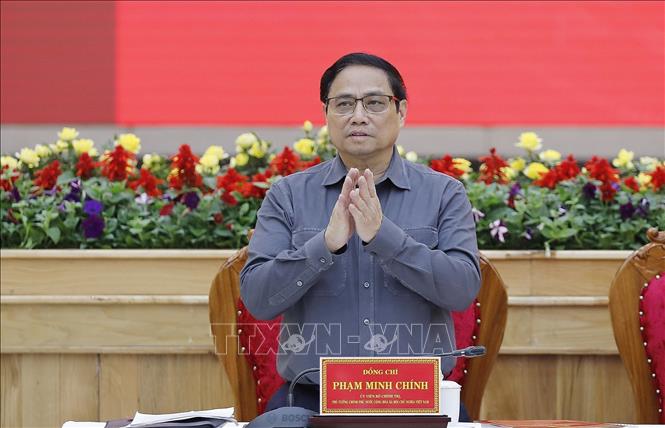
x=340 y=227
x=366 y=208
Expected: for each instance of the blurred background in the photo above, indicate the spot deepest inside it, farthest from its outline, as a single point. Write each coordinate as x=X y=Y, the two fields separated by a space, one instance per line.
x=586 y=76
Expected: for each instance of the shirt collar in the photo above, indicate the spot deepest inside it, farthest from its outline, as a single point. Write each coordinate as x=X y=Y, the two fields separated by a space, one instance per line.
x=396 y=172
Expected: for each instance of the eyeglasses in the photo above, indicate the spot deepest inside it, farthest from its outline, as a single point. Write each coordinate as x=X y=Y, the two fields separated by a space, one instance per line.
x=346 y=105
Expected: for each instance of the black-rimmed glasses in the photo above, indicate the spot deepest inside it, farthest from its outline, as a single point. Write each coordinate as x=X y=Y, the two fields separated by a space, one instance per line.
x=346 y=105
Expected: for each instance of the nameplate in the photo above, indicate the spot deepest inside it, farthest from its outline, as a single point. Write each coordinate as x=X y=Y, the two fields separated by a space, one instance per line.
x=380 y=386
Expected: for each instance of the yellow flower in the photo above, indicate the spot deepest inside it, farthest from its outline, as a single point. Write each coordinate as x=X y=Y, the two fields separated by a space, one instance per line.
x=401 y=150
x=216 y=151
x=257 y=150
x=59 y=146
x=68 y=134
x=92 y=152
x=84 y=145
x=304 y=146
x=462 y=164
x=550 y=156
x=649 y=163
x=411 y=156
x=246 y=140
x=209 y=163
x=624 y=159
x=535 y=169
x=307 y=126
x=643 y=180
x=240 y=159
x=529 y=141
x=517 y=164
x=28 y=157
x=9 y=162
x=151 y=160
x=509 y=172
x=129 y=142
x=42 y=151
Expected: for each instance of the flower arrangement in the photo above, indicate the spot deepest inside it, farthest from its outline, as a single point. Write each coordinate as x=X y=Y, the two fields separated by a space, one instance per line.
x=70 y=195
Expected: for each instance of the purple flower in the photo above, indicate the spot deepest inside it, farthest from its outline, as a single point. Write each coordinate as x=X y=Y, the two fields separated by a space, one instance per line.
x=62 y=208
x=589 y=191
x=73 y=197
x=92 y=207
x=643 y=207
x=15 y=194
x=528 y=234
x=75 y=185
x=143 y=199
x=52 y=191
x=626 y=210
x=515 y=190
x=477 y=214
x=191 y=199
x=562 y=211
x=498 y=229
x=93 y=226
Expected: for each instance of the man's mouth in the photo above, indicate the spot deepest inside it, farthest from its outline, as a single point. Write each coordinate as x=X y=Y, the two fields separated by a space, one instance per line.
x=358 y=134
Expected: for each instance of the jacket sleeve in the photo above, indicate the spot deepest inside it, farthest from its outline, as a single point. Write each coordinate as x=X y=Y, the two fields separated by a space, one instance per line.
x=277 y=274
x=447 y=275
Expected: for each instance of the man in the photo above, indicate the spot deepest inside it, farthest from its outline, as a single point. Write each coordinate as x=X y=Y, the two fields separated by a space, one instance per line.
x=377 y=249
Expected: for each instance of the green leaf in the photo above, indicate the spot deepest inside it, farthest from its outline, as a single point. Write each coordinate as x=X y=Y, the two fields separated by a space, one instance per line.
x=54 y=234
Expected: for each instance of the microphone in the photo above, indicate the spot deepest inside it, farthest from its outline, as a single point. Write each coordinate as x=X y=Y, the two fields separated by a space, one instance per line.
x=298 y=417
x=468 y=352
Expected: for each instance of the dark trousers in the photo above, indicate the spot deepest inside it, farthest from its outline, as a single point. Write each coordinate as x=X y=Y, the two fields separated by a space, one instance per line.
x=307 y=396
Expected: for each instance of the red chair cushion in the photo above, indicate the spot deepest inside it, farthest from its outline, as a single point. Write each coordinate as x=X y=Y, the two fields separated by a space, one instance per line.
x=652 y=306
x=260 y=340
x=466 y=333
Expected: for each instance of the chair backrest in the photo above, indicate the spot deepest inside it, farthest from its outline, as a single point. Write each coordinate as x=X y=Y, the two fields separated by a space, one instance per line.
x=487 y=315
x=639 y=333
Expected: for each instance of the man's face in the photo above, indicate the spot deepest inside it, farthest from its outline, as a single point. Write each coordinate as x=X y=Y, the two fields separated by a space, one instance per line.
x=361 y=135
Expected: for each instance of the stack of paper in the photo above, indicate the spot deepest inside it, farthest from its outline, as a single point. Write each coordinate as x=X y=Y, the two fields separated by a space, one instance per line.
x=195 y=419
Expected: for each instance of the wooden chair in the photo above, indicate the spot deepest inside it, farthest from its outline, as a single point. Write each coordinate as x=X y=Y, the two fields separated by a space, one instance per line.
x=491 y=304
x=645 y=266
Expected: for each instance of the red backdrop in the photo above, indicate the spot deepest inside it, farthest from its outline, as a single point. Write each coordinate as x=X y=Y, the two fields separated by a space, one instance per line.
x=480 y=63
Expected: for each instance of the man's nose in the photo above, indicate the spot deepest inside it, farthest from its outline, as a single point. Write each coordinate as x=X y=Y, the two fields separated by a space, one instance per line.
x=359 y=114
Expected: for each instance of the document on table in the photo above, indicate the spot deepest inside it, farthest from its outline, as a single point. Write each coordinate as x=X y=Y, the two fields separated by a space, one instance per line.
x=184 y=419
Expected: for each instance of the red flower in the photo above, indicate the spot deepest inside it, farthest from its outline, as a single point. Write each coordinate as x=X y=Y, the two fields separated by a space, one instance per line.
x=657 y=177
x=447 y=166
x=47 y=177
x=149 y=183
x=566 y=170
x=285 y=163
x=490 y=170
x=600 y=169
x=7 y=184
x=218 y=218
x=115 y=165
x=632 y=184
x=166 y=209
x=183 y=167
x=229 y=199
x=230 y=180
x=85 y=166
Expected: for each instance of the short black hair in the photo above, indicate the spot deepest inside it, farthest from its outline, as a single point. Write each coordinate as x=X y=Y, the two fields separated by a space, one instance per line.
x=360 y=58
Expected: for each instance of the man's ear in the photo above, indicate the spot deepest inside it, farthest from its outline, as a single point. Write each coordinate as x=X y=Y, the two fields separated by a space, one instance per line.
x=403 y=105
x=325 y=113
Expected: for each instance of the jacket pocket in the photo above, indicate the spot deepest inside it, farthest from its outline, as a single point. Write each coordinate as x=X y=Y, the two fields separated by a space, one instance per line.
x=424 y=235
x=331 y=282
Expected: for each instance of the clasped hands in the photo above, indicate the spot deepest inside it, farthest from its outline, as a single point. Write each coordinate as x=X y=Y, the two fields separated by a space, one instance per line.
x=357 y=210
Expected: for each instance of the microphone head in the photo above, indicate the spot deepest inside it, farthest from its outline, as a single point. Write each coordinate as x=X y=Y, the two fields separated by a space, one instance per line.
x=287 y=417
x=474 y=351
